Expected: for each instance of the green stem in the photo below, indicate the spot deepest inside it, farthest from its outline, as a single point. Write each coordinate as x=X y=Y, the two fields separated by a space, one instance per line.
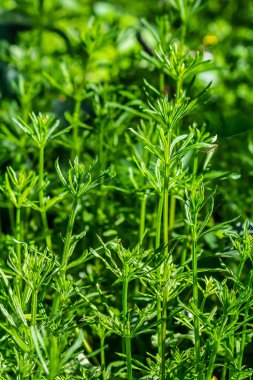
x=157 y=245
x=165 y=292
x=18 y=236
x=102 y=356
x=212 y=361
x=232 y=338
x=195 y=164
x=172 y=212
x=127 y=337
x=179 y=86
x=18 y=232
x=34 y=307
x=41 y=198
x=75 y=126
x=244 y=334
x=142 y=217
x=141 y=235
x=164 y=325
x=166 y=242
x=184 y=248
x=195 y=297
x=70 y=226
x=66 y=252
x=224 y=372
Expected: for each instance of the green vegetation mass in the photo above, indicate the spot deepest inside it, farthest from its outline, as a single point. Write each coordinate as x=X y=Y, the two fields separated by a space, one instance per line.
x=126 y=168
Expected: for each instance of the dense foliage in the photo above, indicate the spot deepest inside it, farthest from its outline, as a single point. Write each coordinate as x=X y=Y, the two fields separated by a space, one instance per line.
x=125 y=189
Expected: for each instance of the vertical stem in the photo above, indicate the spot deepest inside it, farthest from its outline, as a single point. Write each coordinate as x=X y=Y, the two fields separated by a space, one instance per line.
x=165 y=291
x=34 y=307
x=102 y=356
x=18 y=236
x=232 y=339
x=172 y=212
x=195 y=164
x=244 y=334
x=142 y=217
x=195 y=296
x=185 y=244
x=141 y=234
x=166 y=242
x=69 y=233
x=127 y=337
x=75 y=126
x=224 y=372
x=164 y=324
x=157 y=245
x=41 y=198
x=66 y=250
x=18 y=232
x=212 y=361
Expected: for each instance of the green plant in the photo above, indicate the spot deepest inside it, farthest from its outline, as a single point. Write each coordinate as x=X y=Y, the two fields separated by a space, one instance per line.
x=136 y=274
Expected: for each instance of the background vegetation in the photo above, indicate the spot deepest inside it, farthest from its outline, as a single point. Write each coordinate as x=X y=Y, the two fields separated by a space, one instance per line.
x=121 y=253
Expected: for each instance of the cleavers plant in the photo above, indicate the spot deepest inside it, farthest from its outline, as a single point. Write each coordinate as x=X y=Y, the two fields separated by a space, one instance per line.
x=114 y=263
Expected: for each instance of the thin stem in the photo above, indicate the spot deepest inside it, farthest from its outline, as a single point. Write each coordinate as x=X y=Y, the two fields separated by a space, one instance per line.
x=179 y=85
x=246 y=314
x=142 y=217
x=141 y=234
x=41 y=198
x=157 y=245
x=232 y=339
x=66 y=251
x=195 y=298
x=165 y=291
x=34 y=307
x=102 y=356
x=127 y=337
x=224 y=372
x=212 y=360
x=172 y=212
x=164 y=324
x=18 y=232
x=18 y=236
x=184 y=248
x=166 y=242
x=69 y=233
x=75 y=126
x=195 y=164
